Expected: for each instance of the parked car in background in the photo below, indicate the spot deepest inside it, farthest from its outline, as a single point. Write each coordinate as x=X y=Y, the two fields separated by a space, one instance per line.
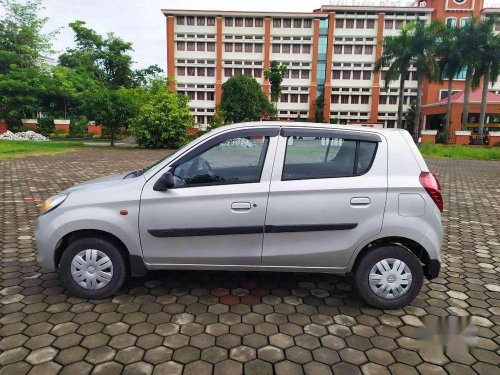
x=266 y=196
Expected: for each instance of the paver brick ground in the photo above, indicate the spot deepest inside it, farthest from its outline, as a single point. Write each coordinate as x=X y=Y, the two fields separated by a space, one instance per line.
x=226 y=322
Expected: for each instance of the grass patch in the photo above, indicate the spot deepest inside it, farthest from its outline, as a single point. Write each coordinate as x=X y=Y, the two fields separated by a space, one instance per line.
x=16 y=149
x=460 y=152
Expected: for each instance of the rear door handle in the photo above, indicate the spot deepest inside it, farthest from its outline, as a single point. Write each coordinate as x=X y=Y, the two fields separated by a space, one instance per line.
x=360 y=201
x=241 y=206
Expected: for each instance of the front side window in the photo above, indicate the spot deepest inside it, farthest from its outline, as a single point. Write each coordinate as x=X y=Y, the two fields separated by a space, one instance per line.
x=233 y=161
x=320 y=157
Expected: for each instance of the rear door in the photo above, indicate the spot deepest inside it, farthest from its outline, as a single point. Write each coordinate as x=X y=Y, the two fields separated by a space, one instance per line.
x=327 y=195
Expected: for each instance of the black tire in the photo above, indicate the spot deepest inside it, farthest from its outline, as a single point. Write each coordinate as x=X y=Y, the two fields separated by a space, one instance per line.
x=108 y=248
x=375 y=255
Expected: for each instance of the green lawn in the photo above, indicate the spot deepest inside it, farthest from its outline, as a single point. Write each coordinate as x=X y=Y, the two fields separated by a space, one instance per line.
x=15 y=149
x=460 y=152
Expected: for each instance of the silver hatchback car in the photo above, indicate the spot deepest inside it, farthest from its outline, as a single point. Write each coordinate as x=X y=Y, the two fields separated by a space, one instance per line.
x=273 y=196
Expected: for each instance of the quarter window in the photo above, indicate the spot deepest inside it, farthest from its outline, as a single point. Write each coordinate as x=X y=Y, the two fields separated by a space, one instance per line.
x=319 y=157
x=233 y=161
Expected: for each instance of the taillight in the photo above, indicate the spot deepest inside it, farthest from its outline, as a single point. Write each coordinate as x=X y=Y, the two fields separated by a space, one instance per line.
x=433 y=188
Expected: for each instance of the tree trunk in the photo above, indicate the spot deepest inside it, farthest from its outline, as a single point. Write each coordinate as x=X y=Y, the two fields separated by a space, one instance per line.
x=112 y=137
x=416 y=124
x=468 y=83
x=400 y=100
x=482 y=113
x=448 y=113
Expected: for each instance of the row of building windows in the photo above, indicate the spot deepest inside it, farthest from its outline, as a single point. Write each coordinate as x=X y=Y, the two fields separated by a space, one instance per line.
x=291 y=48
x=352 y=23
x=199 y=21
x=256 y=72
x=199 y=95
x=196 y=46
x=352 y=74
x=350 y=99
x=294 y=98
x=297 y=74
x=192 y=71
x=393 y=99
x=348 y=49
x=410 y=76
x=238 y=47
x=240 y=22
x=394 y=24
x=288 y=23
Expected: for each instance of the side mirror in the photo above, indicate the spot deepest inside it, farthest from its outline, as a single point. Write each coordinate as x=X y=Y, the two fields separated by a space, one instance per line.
x=165 y=182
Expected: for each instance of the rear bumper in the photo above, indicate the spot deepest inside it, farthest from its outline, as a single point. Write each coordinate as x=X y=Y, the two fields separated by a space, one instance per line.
x=431 y=270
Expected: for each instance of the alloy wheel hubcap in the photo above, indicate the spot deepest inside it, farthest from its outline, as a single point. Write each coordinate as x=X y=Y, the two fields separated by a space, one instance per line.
x=92 y=269
x=390 y=278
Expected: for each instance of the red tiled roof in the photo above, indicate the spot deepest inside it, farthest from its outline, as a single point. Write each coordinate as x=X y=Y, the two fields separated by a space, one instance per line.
x=474 y=96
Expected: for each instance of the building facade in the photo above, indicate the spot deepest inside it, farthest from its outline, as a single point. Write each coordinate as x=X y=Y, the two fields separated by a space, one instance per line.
x=330 y=54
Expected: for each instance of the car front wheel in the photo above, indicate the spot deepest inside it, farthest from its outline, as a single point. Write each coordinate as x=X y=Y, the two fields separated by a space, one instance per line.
x=389 y=277
x=92 y=268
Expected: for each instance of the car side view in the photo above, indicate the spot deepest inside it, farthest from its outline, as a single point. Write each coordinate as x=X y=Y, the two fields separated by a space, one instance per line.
x=270 y=196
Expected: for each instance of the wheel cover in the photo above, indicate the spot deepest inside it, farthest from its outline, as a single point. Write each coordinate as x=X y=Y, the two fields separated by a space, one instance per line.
x=91 y=269
x=390 y=278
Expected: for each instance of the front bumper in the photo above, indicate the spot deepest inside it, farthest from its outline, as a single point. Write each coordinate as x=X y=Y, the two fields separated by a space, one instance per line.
x=45 y=243
x=431 y=270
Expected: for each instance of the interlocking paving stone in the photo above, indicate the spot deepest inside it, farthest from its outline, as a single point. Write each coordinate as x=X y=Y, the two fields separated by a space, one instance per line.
x=233 y=322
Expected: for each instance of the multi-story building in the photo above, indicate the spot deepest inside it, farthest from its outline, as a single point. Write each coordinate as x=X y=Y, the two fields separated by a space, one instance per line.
x=330 y=53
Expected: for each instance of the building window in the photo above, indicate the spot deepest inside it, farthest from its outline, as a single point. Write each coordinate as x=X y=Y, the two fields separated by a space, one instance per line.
x=393 y=99
x=295 y=73
x=181 y=70
x=358 y=50
x=210 y=47
x=181 y=46
x=307 y=24
x=180 y=20
x=360 y=24
x=464 y=21
x=284 y=98
x=297 y=23
x=285 y=48
x=344 y=99
x=200 y=119
x=294 y=98
x=201 y=72
x=368 y=50
x=287 y=23
x=337 y=49
x=276 y=48
x=346 y=74
x=277 y=22
x=248 y=22
x=349 y=24
x=347 y=49
x=210 y=21
x=210 y=95
x=258 y=48
x=335 y=99
x=259 y=22
x=200 y=95
x=339 y=24
x=257 y=73
x=248 y=72
x=228 y=21
x=296 y=48
x=355 y=99
x=191 y=71
x=248 y=48
x=336 y=74
x=228 y=47
x=304 y=98
x=191 y=46
x=200 y=46
x=238 y=47
x=306 y=48
x=304 y=74
x=497 y=26
x=382 y=99
x=370 y=24
x=190 y=21
x=237 y=71
x=365 y=99
x=399 y=24
x=228 y=72
x=200 y=21
x=367 y=74
x=210 y=72
x=238 y=22
x=389 y=24
x=356 y=74
x=461 y=74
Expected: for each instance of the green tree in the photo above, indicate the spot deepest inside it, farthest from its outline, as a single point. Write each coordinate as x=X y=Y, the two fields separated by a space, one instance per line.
x=163 y=118
x=397 y=55
x=243 y=100
x=451 y=63
x=110 y=108
x=488 y=67
x=275 y=75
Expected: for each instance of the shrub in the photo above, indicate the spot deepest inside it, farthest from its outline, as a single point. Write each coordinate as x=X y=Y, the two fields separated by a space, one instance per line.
x=78 y=127
x=45 y=125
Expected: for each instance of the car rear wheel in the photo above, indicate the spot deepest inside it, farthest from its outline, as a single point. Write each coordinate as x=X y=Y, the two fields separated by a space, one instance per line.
x=92 y=268
x=389 y=277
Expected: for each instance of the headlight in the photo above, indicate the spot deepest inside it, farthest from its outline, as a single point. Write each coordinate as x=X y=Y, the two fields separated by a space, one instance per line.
x=53 y=202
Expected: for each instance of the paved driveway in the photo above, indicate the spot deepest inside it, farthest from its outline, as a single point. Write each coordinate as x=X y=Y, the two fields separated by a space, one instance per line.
x=227 y=323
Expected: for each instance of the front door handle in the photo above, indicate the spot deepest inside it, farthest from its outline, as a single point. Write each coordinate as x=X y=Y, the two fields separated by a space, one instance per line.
x=360 y=201
x=241 y=206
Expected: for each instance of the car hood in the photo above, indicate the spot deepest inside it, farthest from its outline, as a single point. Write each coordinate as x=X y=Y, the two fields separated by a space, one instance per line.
x=114 y=179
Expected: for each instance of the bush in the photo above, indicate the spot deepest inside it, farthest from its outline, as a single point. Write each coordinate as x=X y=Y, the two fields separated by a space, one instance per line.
x=78 y=127
x=45 y=125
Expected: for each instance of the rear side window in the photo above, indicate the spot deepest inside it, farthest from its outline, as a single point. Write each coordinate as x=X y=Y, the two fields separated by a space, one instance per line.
x=319 y=157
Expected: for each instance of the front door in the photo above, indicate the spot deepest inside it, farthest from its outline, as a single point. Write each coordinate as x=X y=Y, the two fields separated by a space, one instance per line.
x=327 y=195
x=215 y=213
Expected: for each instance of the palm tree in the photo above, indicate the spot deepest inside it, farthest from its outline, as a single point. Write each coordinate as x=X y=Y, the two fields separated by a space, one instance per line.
x=397 y=55
x=451 y=62
x=424 y=44
x=488 y=67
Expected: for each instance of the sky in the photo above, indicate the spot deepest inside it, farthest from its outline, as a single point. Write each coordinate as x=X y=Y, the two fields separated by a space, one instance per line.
x=143 y=24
